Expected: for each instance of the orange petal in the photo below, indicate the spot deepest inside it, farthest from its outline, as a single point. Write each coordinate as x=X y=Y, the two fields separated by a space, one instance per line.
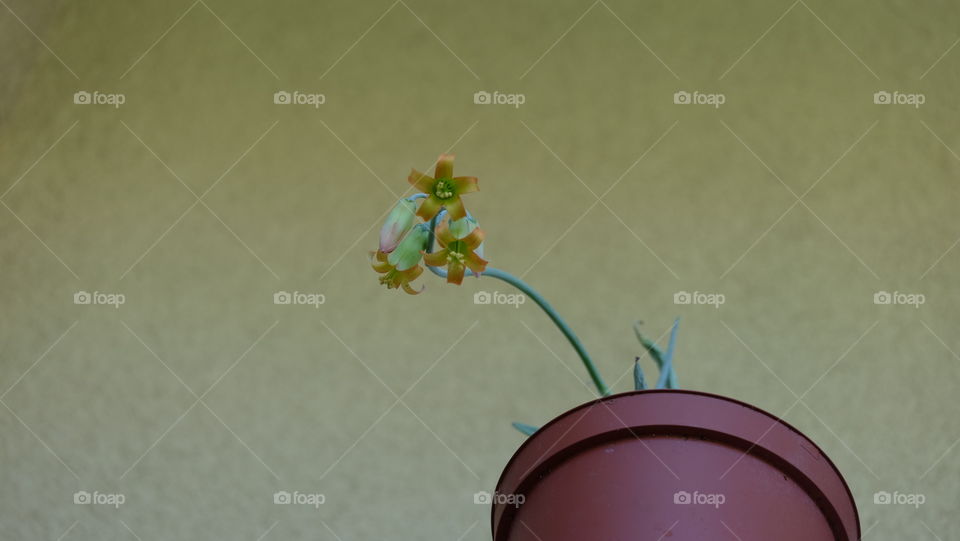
x=436 y=259
x=378 y=260
x=455 y=208
x=475 y=238
x=429 y=208
x=420 y=181
x=455 y=273
x=444 y=166
x=475 y=263
x=465 y=184
x=410 y=290
x=443 y=234
x=412 y=273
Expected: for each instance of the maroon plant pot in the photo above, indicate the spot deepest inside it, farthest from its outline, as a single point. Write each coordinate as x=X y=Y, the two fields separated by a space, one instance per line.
x=675 y=466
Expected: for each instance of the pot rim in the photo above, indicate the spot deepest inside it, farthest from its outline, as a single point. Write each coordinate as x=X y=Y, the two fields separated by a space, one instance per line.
x=754 y=448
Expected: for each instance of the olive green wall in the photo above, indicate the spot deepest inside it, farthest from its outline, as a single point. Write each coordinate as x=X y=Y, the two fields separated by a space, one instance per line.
x=797 y=199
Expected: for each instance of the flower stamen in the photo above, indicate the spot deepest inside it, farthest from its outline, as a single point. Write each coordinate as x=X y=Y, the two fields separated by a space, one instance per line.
x=443 y=189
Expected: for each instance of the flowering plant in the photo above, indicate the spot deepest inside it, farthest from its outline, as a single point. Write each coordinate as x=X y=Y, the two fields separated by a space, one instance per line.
x=437 y=213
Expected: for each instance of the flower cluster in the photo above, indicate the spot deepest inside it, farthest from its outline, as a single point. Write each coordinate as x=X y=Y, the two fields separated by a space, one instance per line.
x=405 y=242
x=436 y=213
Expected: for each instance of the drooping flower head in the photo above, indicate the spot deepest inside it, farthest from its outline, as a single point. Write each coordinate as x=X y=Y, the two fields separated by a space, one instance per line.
x=460 y=240
x=443 y=189
x=402 y=265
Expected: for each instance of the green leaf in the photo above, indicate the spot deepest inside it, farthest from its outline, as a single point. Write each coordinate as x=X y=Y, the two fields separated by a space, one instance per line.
x=527 y=430
x=671 y=347
x=667 y=379
x=654 y=350
x=639 y=383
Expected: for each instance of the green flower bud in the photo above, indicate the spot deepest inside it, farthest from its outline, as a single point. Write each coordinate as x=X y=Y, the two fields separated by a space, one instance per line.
x=408 y=252
x=462 y=227
x=398 y=223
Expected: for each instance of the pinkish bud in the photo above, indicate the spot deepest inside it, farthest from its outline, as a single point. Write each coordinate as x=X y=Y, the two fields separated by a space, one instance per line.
x=398 y=223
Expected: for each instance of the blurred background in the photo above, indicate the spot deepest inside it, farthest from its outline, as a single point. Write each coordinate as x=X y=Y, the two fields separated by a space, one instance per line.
x=796 y=161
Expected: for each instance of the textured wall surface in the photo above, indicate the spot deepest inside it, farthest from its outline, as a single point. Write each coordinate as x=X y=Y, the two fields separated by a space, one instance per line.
x=798 y=199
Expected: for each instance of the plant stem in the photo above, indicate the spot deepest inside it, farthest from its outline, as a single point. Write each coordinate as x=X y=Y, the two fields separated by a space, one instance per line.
x=557 y=320
x=541 y=302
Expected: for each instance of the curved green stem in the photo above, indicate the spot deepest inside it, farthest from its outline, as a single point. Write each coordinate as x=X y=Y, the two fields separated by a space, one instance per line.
x=557 y=320
x=541 y=302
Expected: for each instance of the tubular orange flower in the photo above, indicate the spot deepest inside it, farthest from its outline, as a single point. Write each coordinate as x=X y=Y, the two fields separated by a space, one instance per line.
x=402 y=265
x=393 y=278
x=443 y=189
x=458 y=254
